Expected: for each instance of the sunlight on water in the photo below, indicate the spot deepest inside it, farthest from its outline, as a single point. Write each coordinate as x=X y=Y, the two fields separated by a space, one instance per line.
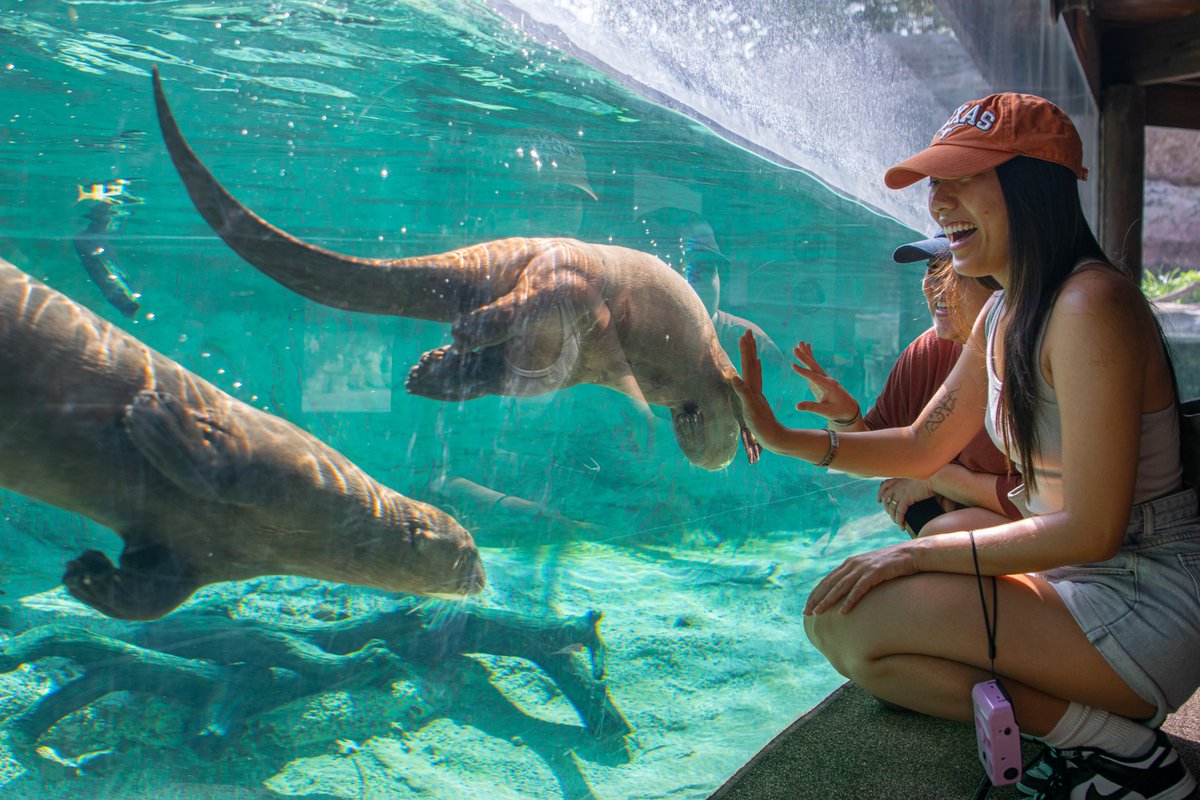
x=640 y=634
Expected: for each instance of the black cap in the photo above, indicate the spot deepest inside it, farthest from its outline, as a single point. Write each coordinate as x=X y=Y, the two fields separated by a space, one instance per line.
x=923 y=250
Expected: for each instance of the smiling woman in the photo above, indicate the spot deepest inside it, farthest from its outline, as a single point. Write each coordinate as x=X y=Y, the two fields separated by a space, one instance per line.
x=972 y=212
x=1068 y=370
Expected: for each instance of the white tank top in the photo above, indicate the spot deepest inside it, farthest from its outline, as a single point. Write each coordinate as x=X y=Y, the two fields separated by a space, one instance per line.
x=1159 y=468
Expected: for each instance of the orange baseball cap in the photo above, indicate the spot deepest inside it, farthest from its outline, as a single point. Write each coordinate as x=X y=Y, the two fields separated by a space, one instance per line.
x=983 y=134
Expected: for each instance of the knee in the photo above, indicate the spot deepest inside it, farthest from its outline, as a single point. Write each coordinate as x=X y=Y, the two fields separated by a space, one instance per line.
x=828 y=634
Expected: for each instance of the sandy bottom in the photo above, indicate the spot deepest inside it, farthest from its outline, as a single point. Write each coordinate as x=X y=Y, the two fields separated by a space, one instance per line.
x=706 y=658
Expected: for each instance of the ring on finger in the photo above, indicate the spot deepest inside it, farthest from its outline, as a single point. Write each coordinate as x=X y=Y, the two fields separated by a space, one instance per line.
x=892 y=501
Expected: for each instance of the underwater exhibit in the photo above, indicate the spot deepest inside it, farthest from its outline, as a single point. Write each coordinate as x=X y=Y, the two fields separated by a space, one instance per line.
x=365 y=380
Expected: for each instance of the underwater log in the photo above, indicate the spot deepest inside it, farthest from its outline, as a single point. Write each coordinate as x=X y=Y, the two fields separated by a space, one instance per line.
x=235 y=669
x=240 y=668
x=419 y=631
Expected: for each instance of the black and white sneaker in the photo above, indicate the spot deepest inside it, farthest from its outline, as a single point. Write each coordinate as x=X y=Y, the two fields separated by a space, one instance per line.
x=1036 y=778
x=1097 y=775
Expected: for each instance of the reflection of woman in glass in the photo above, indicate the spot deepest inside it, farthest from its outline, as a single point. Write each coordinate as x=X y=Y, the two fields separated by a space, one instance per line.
x=686 y=241
x=1098 y=634
x=977 y=480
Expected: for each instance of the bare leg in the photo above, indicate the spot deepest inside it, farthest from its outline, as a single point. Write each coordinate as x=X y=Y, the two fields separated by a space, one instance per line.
x=963 y=519
x=919 y=642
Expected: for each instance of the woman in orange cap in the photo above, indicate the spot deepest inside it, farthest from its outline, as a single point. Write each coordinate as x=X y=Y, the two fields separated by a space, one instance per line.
x=1096 y=588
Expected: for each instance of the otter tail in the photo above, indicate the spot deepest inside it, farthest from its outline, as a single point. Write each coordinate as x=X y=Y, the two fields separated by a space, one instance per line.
x=436 y=287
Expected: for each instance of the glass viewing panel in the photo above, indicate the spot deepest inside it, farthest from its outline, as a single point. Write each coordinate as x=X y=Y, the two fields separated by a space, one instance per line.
x=305 y=478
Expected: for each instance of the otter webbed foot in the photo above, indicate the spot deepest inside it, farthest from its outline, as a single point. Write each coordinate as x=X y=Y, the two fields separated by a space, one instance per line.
x=151 y=582
x=450 y=374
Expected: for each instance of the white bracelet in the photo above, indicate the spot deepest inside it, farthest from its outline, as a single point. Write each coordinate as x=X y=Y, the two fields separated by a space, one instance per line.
x=833 y=448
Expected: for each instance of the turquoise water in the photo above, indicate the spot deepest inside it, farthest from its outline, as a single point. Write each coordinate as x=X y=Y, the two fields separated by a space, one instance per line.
x=392 y=129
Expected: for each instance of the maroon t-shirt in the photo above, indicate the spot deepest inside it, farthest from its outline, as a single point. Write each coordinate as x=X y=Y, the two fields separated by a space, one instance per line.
x=919 y=372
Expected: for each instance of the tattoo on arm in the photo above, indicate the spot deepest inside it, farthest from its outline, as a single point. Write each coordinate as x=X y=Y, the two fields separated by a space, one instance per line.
x=941 y=412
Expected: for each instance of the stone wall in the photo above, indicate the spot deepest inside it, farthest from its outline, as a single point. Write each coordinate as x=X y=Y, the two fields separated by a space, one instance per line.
x=1171 y=232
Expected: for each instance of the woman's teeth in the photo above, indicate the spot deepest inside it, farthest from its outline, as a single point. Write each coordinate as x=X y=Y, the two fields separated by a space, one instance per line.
x=958 y=231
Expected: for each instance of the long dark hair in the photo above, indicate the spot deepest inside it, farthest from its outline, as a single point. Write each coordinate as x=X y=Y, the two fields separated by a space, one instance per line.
x=1048 y=236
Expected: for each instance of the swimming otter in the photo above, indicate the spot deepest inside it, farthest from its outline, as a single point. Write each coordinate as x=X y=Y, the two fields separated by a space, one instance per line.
x=200 y=486
x=529 y=315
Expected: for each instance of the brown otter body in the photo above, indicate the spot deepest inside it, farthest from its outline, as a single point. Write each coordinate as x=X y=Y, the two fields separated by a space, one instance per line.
x=529 y=315
x=202 y=487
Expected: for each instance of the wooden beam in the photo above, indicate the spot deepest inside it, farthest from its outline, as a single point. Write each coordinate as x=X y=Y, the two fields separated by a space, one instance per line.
x=1122 y=174
x=1159 y=52
x=1087 y=47
x=1135 y=12
x=1173 y=105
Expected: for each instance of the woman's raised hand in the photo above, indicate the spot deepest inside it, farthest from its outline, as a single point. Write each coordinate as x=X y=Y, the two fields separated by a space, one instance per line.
x=749 y=387
x=832 y=400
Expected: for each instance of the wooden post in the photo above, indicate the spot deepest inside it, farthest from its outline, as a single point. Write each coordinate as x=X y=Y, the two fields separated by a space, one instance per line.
x=1122 y=174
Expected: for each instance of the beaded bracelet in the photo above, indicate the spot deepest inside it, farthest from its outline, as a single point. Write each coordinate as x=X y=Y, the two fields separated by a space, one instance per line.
x=833 y=448
x=837 y=423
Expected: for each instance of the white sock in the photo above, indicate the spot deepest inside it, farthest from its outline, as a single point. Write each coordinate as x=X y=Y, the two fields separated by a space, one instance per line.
x=1084 y=726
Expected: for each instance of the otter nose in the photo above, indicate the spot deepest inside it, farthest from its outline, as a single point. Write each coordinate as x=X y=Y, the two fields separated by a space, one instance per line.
x=476 y=578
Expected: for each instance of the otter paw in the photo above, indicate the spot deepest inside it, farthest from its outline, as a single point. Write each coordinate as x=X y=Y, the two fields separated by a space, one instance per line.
x=449 y=374
x=151 y=582
x=427 y=376
x=92 y=578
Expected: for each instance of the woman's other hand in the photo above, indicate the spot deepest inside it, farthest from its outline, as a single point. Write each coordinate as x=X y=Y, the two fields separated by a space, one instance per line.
x=850 y=581
x=809 y=445
x=832 y=400
x=897 y=495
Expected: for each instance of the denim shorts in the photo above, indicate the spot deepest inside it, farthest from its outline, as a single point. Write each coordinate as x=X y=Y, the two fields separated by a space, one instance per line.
x=1141 y=608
